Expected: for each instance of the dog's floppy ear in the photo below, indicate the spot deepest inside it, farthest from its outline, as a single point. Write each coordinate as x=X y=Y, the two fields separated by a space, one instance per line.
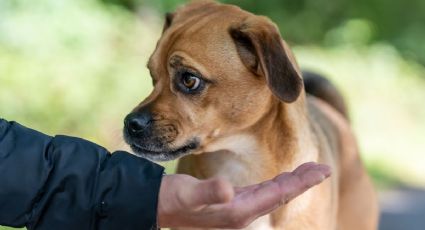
x=262 y=50
x=168 y=20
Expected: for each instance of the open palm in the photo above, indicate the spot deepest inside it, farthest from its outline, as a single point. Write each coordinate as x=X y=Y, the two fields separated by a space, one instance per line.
x=185 y=201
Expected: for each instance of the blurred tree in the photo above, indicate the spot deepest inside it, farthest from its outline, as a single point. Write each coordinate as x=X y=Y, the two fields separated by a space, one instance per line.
x=324 y=22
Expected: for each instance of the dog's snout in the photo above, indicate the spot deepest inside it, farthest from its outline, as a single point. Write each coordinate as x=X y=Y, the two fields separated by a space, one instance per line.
x=136 y=123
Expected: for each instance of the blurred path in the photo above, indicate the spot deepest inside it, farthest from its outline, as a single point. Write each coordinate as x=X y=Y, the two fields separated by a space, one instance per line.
x=402 y=209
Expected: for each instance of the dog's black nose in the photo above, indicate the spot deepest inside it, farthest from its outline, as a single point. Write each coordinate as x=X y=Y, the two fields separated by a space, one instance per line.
x=138 y=122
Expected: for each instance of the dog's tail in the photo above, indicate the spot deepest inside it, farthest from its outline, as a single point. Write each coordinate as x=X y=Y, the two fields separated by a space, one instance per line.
x=322 y=88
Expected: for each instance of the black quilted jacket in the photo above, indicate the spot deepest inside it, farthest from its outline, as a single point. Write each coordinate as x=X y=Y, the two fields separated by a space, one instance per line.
x=62 y=183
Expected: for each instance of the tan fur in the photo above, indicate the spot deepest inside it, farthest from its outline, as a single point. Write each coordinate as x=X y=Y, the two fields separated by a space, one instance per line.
x=246 y=133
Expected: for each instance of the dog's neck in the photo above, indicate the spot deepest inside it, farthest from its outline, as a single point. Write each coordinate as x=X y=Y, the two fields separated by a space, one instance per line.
x=262 y=151
x=283 y=133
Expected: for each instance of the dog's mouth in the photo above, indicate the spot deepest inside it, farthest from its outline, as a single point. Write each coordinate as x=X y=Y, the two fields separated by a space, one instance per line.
x=164 y=153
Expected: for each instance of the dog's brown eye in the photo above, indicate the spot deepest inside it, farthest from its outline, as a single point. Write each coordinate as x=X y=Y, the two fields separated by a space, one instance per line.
x=190 y=81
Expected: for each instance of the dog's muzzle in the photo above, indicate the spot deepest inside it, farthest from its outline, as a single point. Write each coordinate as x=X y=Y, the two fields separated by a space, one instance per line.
x=153 y=141
x=139 y=125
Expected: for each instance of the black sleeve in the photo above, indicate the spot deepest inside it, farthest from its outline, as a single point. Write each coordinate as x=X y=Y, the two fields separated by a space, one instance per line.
x=69 y=183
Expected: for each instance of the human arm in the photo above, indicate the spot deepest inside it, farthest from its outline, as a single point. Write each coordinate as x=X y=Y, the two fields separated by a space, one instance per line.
x=68 y=183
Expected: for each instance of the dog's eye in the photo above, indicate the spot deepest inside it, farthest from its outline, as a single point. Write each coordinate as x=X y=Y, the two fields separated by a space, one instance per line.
x=190 y=81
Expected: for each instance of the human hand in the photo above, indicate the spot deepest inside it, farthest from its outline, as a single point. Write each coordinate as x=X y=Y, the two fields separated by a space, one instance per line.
x=185 y=201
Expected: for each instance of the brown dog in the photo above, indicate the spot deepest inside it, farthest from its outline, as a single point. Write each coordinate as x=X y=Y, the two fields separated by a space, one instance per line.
x=228 y=95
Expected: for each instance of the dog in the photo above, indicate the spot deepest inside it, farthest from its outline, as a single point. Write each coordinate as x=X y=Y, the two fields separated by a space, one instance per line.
x=229 y=100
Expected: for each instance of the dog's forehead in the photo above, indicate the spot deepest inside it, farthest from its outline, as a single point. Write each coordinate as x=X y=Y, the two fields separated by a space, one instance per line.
x=202 y=32
x=206 y=9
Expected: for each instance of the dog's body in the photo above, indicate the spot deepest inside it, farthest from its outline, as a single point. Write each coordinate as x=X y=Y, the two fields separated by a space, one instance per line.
x=229 y=97
x=346 y=201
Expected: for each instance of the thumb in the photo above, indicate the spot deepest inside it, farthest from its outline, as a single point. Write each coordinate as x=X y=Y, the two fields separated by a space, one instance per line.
x=207 y=192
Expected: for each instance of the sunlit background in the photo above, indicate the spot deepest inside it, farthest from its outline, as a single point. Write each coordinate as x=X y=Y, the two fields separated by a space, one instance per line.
x=77 y=67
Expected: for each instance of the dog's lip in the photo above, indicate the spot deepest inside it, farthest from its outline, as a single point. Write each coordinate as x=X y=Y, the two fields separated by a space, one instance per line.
x=191 y=145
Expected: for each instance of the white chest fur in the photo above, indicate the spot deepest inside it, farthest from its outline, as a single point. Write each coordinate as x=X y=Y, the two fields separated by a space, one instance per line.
x=239 y=159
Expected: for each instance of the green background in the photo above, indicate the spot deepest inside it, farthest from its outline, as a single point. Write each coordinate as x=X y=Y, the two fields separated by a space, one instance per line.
x=77 y=67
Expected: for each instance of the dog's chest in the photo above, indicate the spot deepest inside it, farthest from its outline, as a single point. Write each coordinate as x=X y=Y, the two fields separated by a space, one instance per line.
x=237 y=159
x=238 y=172
x=240 y=160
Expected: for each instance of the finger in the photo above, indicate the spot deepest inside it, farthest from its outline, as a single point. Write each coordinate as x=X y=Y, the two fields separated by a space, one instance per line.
x=212 y=191
x=246 y=188
x=311 y=166
x=300 y=169
x=301 y=179
x=304 y=167
x=269 y=195
x=257 y=200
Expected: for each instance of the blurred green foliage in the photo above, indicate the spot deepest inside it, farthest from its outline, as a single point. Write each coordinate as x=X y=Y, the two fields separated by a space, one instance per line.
x=6 y=228
x=77 y=67
x=385 y=94
x=69 y=65
x=324 y=22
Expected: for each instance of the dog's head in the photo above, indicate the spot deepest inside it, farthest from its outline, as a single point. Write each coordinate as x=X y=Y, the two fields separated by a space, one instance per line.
x=215 y=70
